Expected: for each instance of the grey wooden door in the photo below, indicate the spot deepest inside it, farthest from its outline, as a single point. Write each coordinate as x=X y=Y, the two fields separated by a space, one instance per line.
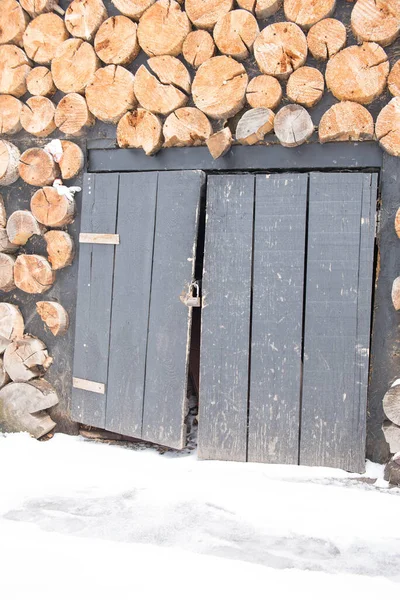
x=287 y=283
x=132 y=330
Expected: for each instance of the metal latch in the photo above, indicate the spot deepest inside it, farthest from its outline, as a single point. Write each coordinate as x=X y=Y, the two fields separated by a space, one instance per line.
x=192 y=298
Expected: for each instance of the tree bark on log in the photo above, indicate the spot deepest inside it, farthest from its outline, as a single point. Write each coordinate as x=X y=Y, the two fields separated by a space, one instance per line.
x=37 y=116
x=10 y=115
x=198 y=47
x=60 y=249
x=132 y=8
x=4 y=378
x=204 y=15
x=34 y=8
x=5 y=245
x=9 y=161
x=43 y=36
x=262 y=8
x=235 y=33
x=116 y=41
x=163 y=29
x=22 y=407
x=358 y=73
x=254 y=126
x=72 y=115
x=111 y=94
x=220 y=142
x=54 y=316
x=158 y=97
x=264 y=91
x=391 y=404
x=219 y=87
x=6 y=272
x=14 y=68
x=392 y=436
x=376 y=21
x=33 y=274
x=74 y=65
x=26 y=358
x=293 y=125
x=308 y=12
x=140 y=129
x=37 y=167
x=51 y=209
x=387 y=127
x=280 y=49
x=84 y=17
x=72 y=160
x=13 y=22
x=186 y=127
x=326 y=38
x=40 y=82
x=346 y=122
x=21 y=226
x=305 y=86
x=11 y=324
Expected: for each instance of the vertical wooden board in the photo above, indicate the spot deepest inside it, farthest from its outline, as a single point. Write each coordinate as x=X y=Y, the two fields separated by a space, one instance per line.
x=130 y=306
x=177 y=214
x=93 y=312
x=333 y=405
x=225 y=333
x=277 y=318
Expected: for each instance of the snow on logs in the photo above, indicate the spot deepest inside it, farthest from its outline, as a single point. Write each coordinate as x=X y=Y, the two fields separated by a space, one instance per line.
x=14 y=68
x=140 y=129
x=9 y=163
x=346 y=122
x=54 y=316
x=280 y=49
x=33 y=274
x=37 y=167
x=163 y=28
x=163 y=85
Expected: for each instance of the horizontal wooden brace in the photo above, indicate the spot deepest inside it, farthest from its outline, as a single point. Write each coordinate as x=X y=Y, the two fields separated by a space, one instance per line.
x=99 y=238
x=89 y=386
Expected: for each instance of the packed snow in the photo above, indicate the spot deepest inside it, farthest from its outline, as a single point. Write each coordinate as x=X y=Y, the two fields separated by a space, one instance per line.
x=81 y=519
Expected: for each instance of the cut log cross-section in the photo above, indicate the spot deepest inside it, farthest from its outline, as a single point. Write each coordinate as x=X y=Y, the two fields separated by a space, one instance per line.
x=37 y=167
x=14 y=68
x=140 y=129
x=111 y=94
x=26 y=358
x=254 y=126
x=219 y=87
x=6 y=272
x=391 y=404
x=376 y=21
x=9 y=160
x=10 y=115
x=34 y=8
x=74 y=65
x=84 y=17
x=54 y=316
x=305 y=86
x=73 y=115
x=72 y=160
x=40 y=82
x=262 y=8
x=60 y=249
x=21 y=226
x=116 y=41
x=4 y=378
x=186 y=127
x=220 y=142
x=346 y=122
x=33 y=274
x=205 y=14
x=392 y=436
x=280 y=49
x=11 y=324
x=37 y=116
x=163 y=29
x=235 y=32
x=132 y=8
x=198 y=47
x=308 y=12
x=5 y=245
x=387 y=127
x=13 y=22
x=326 y=38
x=264 y=91
x=358 y=73
x=52 y=209
x=396 y=293
x=164 y=86
x=23 y=406
x=43 y=36
x=394 y=79
x=293 y=125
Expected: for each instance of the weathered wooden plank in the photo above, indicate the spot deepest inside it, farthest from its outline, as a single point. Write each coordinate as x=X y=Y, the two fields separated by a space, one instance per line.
x=225 y=333
x=98 y=238
x=131 y=298
x=277 y=318
x=90 y=386
x=178 y=201
x=333 y=403
x=95 y=280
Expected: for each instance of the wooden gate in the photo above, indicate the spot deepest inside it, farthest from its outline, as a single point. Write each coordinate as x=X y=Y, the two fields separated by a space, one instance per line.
x=287 y=283
x=132 y=331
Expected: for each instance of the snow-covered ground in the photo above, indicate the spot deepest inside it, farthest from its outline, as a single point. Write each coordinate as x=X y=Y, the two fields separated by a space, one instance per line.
x=85 y=520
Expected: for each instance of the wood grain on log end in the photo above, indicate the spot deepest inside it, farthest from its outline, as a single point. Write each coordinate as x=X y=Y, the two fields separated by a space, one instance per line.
x=34 y=8
x=52 y=209
x=37 y=116
x=43 y=36
x=21 y=226
x=163 y=29
x=83 y=19
x=280 y=49
x=37 y=167
x=235 y=32
x=14 y=68
x=162 y=90
x=40 y=82
x=5 y=245
x=397 y=223
x=205 y=14
x=9 y=162
x=387 y=127
x=305 y=86
x=132 y=8
x=33 y=274
x=262 y=8
x=116 y=41
x=326 y=38
x=394 y=79
x=293 y=125
x=376 y=21
x=26 y=359
x=74 y=66
x=264 y=91
x=3 y=213
x=308 y=12
x=220 y=142
x=60 y=249
x=186 y=127
x=72 y=115
x=391 y=404
x=346 y=122
x=392 y=436
x=6 y=272
x=72 y=160
x=254 y=126
x=13 y=22
x=54 y=316
x=110 y=94
x=10 y=115
x=140 y=129
x=11 y=324
x=4 y=377
x=198 y=47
